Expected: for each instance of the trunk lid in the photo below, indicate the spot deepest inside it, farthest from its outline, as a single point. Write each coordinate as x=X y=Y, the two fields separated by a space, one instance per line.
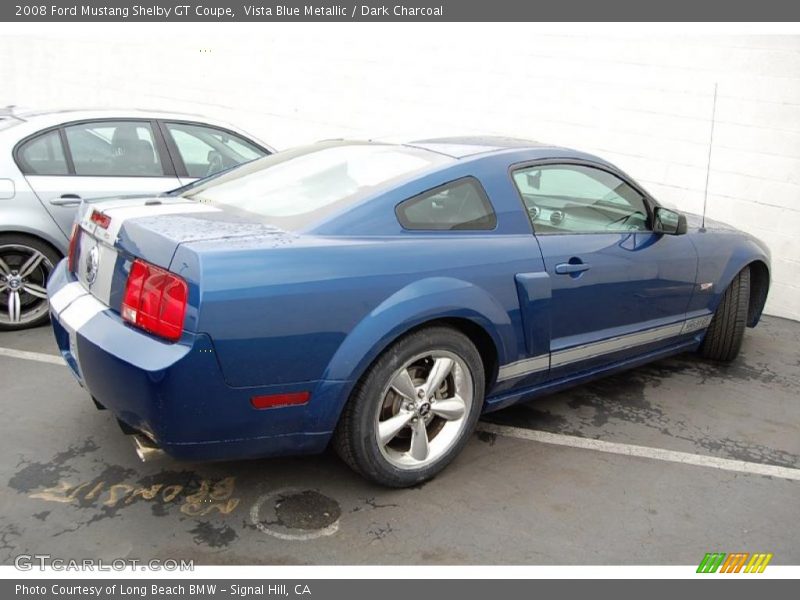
x=113 y=232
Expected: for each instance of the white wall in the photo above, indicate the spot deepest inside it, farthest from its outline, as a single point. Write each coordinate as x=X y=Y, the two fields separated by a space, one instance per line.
x=641 y=102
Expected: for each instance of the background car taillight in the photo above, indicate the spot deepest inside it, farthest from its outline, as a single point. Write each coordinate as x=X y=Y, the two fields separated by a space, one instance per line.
x=155 y=300
x=100 y=219
x=72 y=254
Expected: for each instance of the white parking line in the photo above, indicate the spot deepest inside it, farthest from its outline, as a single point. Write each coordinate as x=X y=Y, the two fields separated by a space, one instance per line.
x=559 y=439
x=38 y=356
x=686 y=458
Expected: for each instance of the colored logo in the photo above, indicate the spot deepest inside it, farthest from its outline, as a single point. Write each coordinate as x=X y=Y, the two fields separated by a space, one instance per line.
x=737 y=562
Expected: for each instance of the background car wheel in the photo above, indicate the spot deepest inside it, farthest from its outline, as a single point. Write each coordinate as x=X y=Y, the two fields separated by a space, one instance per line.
x=724 y=336
x=25 y=265
x=414 y=410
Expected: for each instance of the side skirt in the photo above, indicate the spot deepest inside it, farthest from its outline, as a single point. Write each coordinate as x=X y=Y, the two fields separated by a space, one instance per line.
x=498 y=402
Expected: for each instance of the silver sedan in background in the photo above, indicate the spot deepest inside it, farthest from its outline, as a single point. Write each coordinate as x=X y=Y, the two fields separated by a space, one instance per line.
x=49 y=161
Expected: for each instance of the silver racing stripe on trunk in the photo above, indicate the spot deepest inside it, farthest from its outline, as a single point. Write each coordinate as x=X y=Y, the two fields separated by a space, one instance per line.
x=94 y=266
x=120 y=214
x=97 y=253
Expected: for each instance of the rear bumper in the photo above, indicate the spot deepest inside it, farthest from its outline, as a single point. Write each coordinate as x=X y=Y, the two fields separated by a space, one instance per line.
x=176 y=393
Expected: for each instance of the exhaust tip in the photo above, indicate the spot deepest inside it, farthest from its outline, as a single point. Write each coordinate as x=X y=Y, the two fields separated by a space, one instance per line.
x=146 y=450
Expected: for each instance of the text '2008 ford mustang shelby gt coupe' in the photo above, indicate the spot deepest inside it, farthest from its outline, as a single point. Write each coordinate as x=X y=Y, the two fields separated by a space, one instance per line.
x=382 y=296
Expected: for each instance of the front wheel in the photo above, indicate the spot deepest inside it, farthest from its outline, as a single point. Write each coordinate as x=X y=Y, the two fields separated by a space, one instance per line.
x=414 y=410
x=724 y=336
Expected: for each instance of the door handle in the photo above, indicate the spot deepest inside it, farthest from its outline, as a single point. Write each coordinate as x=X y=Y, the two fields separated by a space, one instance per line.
x=66 y=200
x=571 y=268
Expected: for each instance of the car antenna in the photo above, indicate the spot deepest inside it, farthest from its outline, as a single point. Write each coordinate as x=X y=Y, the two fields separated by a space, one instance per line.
x=708 y=163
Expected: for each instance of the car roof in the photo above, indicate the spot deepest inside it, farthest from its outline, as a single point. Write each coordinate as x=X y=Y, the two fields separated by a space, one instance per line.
x=31 y=114
x=38 y=119
x=482 y=147
x=464 y=146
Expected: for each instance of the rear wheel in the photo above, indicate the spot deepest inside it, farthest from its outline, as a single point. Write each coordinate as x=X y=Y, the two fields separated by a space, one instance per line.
x=414 y=410
x=25 y=265
x=724 y=336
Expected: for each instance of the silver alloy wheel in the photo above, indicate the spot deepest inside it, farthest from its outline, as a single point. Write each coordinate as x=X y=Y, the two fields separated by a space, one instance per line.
x=23 y=277
x=424 y=409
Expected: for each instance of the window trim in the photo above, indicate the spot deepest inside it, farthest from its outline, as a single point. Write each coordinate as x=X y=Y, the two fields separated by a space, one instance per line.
x=649 y=202
x=167 y=168
x=62 y=135
x=175 y=154
x=481 y=191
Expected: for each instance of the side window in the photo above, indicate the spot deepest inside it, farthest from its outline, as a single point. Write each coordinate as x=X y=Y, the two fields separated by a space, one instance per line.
x=207 y=150
x=114 y=148
x=458 y=205
x=43 y=155
x=579 y=199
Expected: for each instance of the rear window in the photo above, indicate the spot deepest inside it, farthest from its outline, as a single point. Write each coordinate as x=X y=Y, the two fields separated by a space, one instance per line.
x=298 y=187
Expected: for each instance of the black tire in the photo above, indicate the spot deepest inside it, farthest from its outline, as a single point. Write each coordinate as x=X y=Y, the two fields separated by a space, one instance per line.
x=355 y=439
x=724 y=336
x=15 y=249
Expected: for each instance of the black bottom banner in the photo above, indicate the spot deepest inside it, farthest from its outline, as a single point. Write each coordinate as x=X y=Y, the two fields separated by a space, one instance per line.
x=382 y=589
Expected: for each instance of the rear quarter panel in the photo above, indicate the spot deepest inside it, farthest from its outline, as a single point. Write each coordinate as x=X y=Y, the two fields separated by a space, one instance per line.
x=20 y=209
x=323 y=308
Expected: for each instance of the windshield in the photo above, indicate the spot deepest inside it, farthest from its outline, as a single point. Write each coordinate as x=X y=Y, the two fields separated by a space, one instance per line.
x=294 y=188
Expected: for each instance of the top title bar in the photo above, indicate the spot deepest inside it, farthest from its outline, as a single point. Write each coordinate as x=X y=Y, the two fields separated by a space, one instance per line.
x=403 y=10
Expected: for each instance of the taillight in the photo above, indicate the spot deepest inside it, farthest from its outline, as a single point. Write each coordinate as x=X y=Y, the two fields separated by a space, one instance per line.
x=100 y=219
x=72 y=254
x=155 y=300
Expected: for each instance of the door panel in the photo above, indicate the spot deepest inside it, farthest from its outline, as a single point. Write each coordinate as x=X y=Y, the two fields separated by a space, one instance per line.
x=634 y=281
x=617 y=289
x=61 y=195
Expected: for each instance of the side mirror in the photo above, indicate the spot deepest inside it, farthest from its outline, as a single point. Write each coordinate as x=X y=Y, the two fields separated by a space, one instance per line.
x=668 y=221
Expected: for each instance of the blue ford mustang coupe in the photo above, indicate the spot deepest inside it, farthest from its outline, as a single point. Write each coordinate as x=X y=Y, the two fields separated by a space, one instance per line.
x=381 y=297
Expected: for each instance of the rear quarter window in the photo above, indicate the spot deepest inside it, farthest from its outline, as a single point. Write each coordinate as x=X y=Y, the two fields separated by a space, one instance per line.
x=42 y=155
x=460 y=205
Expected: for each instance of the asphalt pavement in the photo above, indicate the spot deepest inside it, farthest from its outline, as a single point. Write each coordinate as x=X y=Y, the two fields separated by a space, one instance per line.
x=657 y=465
